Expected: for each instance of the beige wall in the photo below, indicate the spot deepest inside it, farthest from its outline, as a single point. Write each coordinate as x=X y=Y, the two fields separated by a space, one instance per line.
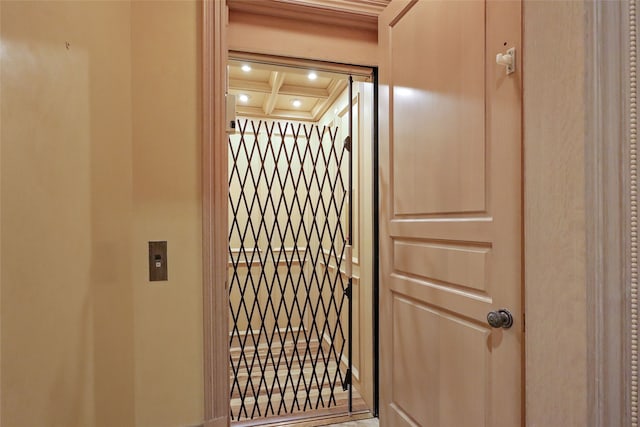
x=67 y=295
x=167 y=206
x=554 y=112
x=100 y=153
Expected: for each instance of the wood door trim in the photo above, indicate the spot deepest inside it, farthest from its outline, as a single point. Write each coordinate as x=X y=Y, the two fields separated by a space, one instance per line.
x=214 y=214
x=348 y=13
x=630 y=29
x=611 y=215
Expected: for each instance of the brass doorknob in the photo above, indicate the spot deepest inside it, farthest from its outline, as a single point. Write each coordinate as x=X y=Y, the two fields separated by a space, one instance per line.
x=500 y=319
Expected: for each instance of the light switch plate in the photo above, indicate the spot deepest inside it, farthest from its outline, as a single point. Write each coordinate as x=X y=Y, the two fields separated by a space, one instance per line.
x=158 y=261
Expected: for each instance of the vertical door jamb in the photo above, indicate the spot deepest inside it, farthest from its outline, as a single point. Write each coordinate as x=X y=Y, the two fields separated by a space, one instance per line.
x=214 y=215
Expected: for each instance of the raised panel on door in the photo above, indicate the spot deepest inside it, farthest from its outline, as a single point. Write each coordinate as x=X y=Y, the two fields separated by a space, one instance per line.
x=438 y=145
x=450 y=182
x=443 y=345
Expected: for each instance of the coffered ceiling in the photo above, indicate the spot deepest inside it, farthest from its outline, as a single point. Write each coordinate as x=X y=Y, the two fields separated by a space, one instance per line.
x=265 y=90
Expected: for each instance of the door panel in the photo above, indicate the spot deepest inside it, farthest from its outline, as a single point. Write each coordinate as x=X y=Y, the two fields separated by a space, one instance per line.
x=450 y=214
x=454 y=264
x=446 y=362
x=437 y=63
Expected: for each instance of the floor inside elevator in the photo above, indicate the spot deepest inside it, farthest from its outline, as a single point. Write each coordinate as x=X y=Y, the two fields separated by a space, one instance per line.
x=299 y=392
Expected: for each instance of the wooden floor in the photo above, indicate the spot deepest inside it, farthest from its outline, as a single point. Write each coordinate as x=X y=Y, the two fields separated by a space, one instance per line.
x=372 y=422
x=354 y=420
x=265 y=403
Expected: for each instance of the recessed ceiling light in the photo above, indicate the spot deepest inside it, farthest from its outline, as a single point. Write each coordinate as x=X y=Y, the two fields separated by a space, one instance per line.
x=296 y=103
x=312 y=76
x=243 y=97
x=246 y=68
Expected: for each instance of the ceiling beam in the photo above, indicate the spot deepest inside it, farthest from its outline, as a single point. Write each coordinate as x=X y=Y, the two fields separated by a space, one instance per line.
x=249 y=85
x=243 y=85
x=276 y=114
x=307 y=92
x=276 y=79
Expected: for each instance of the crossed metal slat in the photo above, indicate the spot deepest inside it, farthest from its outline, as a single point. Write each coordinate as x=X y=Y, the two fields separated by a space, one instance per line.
x=291 y=190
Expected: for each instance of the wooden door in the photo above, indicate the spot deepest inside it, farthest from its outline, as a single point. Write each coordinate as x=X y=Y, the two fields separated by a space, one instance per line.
x=451 y=214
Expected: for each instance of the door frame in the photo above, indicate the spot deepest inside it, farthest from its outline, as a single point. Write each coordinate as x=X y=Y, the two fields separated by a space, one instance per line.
x=612 y=285
x=214 y=215
x=611 y=213
x=215 y=52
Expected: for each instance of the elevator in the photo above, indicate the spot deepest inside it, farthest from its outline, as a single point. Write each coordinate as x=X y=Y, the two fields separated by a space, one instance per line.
x=301 y=258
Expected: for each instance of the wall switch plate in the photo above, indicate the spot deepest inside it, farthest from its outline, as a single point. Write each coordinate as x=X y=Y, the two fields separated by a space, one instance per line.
x=158 y=261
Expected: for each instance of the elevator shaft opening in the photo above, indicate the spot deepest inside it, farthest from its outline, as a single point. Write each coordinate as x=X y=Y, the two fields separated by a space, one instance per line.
x=299 y=266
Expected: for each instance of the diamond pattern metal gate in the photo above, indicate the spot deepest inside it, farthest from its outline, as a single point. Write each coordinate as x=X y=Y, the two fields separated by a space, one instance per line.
x=290 y=315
